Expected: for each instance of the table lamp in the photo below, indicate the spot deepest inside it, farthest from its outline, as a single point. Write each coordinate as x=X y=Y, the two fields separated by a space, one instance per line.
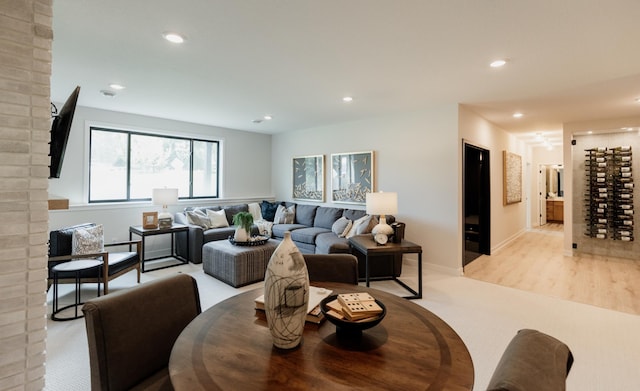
x=165 y=197
x=382 y=204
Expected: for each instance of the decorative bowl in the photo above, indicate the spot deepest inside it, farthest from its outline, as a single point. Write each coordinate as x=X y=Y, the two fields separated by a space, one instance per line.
x=344 y=325
x=253 y=241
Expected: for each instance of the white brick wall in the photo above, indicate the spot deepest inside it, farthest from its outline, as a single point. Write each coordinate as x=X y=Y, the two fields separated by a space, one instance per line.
x=25 y=71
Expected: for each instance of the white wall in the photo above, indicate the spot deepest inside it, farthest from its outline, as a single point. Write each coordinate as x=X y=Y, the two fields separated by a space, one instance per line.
x=417 y=155
x=245 y=169
x=507 y=221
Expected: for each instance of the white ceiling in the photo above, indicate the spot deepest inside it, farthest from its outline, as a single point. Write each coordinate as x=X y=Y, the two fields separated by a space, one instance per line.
x=569 y=60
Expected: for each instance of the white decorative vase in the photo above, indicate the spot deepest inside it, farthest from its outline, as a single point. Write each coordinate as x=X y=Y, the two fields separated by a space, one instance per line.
x=286 y=294
x=241 y=235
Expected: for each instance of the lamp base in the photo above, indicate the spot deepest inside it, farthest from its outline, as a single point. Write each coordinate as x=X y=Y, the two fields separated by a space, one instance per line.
x=382 y=228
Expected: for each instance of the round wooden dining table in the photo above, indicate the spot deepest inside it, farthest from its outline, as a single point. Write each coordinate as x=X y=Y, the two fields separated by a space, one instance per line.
x=229 y=347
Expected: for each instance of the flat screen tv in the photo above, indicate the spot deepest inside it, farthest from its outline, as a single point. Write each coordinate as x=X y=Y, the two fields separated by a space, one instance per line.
x=60 y=129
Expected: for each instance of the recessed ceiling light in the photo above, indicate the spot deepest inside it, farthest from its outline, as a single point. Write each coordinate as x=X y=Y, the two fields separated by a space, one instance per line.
x=590 y=132
x=517 y=115
x=267 y=117
x=107 y=93
x=117 y=86
x=498 y=63
x=347 y=99
x=173 y=37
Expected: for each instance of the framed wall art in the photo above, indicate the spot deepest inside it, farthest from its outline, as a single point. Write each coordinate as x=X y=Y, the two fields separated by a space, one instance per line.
x=149 y=220
x=352 y=177
x=308 y=178
x=512 y=186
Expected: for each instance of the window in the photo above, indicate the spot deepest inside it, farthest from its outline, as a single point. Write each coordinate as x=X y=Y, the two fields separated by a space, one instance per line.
x=126 y=166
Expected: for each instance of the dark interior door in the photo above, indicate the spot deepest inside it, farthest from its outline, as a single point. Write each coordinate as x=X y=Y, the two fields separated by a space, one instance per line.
x=476 y=203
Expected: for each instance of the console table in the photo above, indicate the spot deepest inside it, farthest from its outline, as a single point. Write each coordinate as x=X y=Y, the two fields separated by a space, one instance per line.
x=369 y=248
x=173 y=230
x=229 y=347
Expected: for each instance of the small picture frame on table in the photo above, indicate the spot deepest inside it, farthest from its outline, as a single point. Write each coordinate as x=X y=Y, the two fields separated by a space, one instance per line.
x=149 y=220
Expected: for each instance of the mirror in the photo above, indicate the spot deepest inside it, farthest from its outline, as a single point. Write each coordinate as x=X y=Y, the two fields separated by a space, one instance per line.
x=555 y=181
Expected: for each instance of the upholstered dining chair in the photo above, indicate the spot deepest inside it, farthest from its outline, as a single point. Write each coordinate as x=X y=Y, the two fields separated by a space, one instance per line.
x=532 y=361
x=87 y=241
x=332 y=268
x=131 y=332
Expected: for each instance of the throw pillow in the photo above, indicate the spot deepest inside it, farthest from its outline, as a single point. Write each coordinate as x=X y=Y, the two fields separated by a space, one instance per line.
x=217 y=218
x=285 y=215
x=87 y=240
x=341 y=227
x=367 y=226
x=198 y=218
x=264 y=227
x=254 y=209
x=268 y=210
x=356 y=228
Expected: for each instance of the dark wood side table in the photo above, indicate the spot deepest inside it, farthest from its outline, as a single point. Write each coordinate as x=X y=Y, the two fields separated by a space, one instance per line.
x=173 y=230
x=229 y=347
x=365 y=245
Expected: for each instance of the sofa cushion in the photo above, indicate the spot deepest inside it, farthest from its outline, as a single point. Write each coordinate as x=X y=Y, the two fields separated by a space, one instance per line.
x=217 y=234
x=305 y=214
x=326 y=216
x=268 y=210
x=279 y=229
x=353 y=214
x=217 y=218
x=87 y=240
x=307 y=235
x=341 y=227
x=232 y=210
x=329 y=243
x=285 y=215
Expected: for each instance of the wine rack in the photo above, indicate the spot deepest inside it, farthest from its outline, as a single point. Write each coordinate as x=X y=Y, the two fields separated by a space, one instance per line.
x=609 y=193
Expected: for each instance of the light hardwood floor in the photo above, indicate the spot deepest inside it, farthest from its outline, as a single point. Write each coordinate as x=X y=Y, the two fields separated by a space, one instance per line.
x=535 y=262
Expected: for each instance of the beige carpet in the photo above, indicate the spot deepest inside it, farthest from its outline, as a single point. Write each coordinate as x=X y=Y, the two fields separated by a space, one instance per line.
x=606 y=344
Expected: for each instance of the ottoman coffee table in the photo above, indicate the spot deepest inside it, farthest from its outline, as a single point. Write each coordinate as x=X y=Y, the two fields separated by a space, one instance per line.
x=237 y=265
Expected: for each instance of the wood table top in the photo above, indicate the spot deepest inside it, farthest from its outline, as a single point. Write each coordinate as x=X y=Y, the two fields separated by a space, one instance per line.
x=229 y=347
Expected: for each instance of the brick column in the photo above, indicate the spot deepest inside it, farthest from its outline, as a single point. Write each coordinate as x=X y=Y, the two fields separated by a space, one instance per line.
x=25 y=71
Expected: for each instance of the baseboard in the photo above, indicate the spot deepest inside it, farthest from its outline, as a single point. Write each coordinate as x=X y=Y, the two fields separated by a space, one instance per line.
x=505 y=242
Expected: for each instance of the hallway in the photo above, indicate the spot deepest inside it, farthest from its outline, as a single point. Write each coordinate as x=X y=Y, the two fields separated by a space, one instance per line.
x=535 y=262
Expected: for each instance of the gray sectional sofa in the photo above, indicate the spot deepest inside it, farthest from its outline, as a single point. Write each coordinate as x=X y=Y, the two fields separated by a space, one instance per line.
x=311 y=230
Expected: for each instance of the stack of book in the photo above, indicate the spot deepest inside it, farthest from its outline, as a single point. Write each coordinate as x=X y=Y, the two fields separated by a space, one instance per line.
x=354 y=307
x=314 y=315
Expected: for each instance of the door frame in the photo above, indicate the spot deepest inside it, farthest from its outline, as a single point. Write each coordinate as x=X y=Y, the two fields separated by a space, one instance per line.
x=485 y=236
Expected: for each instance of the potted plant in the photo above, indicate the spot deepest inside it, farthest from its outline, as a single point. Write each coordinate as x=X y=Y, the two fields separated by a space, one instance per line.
x=243 y=222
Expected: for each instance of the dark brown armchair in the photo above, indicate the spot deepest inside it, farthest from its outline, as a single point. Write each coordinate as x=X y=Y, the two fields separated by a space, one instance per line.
x=532 y=361
x=115 y=263
x=131 y=332
x=332 y=268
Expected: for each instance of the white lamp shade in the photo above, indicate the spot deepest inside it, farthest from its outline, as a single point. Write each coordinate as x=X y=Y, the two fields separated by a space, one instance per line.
x=165 y=197
x=382 y=203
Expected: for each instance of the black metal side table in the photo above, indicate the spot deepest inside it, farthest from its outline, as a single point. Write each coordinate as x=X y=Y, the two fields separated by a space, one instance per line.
x=76 y=267
x=173 y=230
x=369 y=248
